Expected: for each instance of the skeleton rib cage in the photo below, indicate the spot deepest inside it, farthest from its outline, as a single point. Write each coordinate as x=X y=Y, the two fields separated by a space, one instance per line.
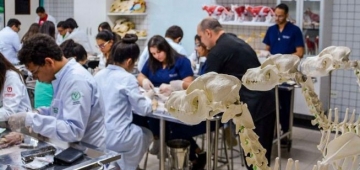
x=213 y=93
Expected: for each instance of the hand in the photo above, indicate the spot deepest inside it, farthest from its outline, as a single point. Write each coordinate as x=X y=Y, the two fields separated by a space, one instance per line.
x=165 y=89
x=96 y=70
x=14 y=138
x=264 y=53
x=147 y=85
x=150 y=94
x=177 y=85
x=17 y=121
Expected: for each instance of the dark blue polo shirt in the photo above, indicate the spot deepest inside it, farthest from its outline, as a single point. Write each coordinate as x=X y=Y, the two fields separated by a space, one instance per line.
x=179 y=71
x=284 y=42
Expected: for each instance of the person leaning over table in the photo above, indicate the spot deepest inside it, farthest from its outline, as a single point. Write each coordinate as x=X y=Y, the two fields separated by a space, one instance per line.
x=106 y=26
x=14 y=96
x=10 y=41
x=105 y=39
x=62 y=29
x=44 y=91
x=122 y=97
x=78 y=35
x=170 y=71
x=233 y=56
x=173 y=36
x=77 y=110
x=72 y=49
x=284 y=38
x=33 y=29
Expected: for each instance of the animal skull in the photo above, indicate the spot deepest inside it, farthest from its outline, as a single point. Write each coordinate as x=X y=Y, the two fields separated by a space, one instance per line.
x=219 y=88
x=285 y=63
x=339 y=56
x=317 y=66
x=191 y=108
x=261 y=79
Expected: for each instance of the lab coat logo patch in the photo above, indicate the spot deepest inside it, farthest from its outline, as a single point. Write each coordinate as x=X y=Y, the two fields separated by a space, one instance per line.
x=55 y=110
x=75 y=96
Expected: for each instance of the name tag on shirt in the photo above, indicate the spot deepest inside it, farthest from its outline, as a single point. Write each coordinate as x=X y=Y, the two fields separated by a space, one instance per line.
x=286 y=37
x=173 y=75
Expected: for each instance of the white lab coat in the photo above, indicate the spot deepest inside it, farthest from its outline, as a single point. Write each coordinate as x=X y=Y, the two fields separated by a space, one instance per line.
x=10 y=44
x=80 y=37
x=145 y=54
x=102 y=61
x=14 y=96
x=123 y=97
x=77 y=110
x=60 y=39
x=49 y=18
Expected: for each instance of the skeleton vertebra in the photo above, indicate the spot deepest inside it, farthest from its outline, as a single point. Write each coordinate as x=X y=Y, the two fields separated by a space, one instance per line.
x=219 y=93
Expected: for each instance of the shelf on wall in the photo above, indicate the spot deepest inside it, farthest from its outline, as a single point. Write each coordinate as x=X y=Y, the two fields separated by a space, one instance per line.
x=142 y=38
x=247 y=23
x=125 y=14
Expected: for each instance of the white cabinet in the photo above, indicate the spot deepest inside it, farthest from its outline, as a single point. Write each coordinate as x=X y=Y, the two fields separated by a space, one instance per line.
x=88 y=15
x=314 y=17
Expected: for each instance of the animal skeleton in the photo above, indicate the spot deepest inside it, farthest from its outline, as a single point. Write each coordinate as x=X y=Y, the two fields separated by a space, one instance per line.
x=213 y=93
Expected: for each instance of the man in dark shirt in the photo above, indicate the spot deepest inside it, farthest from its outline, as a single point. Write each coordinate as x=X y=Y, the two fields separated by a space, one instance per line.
x=284 y=38
x=231 y=55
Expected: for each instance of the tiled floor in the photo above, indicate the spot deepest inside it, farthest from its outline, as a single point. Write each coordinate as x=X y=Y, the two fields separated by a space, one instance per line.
x=303 y=149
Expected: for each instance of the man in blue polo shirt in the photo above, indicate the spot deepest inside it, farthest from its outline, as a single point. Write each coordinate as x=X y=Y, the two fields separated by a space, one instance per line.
x=284 y=38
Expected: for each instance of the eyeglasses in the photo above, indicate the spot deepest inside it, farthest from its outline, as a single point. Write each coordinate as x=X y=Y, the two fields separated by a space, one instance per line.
x=197 y=45
x=36 y=71
x=101 y=46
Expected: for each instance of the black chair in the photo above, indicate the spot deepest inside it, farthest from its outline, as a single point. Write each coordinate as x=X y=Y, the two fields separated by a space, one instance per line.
x=93 y=64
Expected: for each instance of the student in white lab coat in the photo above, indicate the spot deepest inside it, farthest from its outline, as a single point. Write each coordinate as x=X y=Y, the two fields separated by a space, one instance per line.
x=43 y=16
x=79 y=36
x=105 y=39
x=173 y=36
x=123 y=97
x=62 y=28
x=76 y=111
x=10 y=41
x=14 y=97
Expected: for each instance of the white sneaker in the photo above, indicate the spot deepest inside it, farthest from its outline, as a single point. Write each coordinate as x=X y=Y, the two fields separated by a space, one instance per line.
x=155 y=149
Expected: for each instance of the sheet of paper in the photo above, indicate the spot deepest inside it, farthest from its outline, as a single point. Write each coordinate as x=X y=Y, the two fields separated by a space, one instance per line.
x=2 y=130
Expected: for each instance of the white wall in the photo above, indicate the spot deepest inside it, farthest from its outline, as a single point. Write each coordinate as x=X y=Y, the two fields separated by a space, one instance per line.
x=187 y=14
x=26 y=20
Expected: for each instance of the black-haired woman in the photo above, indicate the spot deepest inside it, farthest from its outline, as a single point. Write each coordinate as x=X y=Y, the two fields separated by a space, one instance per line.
x=105 y=40
x=122 y=98
x=14 y=97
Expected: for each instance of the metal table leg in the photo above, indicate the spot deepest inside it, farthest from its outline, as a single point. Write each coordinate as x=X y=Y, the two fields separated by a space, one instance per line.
x=162 y=144
x=208 y=145
x=216 y=148
x=277 y=123
x=291 y=123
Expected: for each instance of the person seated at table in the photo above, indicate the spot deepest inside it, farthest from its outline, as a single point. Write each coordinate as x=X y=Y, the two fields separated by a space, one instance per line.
x=76 y=113
x=71 y=49
x=201 y=51
x=170 y=71
x=14 y=96
x=123 y=97
x=105 y=40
